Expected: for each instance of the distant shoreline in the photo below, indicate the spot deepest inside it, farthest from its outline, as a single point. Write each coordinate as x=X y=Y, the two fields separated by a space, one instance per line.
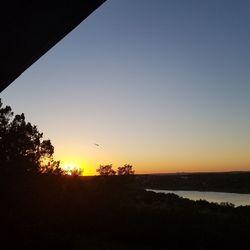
x=228 y=182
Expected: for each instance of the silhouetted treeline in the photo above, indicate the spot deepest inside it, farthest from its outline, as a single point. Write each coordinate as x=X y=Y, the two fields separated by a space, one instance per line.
x=107 y=170
x=112 y=212
x=238 y=182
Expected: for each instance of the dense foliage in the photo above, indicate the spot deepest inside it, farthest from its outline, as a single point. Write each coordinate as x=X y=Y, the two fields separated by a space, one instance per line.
x=22 y=148
x=106 y=170
x=125 y=170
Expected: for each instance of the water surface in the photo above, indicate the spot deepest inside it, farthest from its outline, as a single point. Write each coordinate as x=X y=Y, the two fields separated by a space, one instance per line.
x=236 y=199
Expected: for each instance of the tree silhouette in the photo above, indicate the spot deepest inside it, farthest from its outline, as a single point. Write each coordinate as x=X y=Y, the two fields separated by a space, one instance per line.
x=52 y=167
x=76 y=172
x=106 y=170
x=125 y=170
x=21 y=146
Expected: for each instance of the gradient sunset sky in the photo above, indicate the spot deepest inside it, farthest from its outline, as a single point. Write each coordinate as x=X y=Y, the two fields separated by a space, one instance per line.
x=162 y=85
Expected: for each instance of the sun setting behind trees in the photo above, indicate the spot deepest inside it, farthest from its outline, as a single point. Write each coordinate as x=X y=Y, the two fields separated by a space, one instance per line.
x=22 y=150
x=71 y=169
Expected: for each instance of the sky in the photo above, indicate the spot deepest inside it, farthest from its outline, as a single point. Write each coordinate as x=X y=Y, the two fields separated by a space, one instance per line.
x=163 y=85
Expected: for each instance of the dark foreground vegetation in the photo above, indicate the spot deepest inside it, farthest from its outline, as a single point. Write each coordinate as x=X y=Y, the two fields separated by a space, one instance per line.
x=112 y=212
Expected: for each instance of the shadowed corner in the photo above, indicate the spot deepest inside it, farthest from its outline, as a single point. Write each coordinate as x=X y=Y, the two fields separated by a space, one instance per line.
x=30 y=28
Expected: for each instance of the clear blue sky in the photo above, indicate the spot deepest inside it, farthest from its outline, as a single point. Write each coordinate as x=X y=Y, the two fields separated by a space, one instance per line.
x=163 y=85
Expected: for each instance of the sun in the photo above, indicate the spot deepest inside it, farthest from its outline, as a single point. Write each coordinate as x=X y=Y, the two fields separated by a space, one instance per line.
x=71 y=168
x=74 y=163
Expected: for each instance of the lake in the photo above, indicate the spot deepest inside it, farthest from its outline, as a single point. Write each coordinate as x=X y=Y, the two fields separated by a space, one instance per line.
x=236 y=199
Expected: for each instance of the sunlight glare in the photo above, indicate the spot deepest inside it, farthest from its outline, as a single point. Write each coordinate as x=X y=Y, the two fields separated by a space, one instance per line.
x=69 y=168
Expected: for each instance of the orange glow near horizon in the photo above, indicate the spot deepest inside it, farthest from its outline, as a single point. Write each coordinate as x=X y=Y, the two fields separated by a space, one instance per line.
x=74 y=163
x=174 y=161
x=69 y=167
x=157 y=167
